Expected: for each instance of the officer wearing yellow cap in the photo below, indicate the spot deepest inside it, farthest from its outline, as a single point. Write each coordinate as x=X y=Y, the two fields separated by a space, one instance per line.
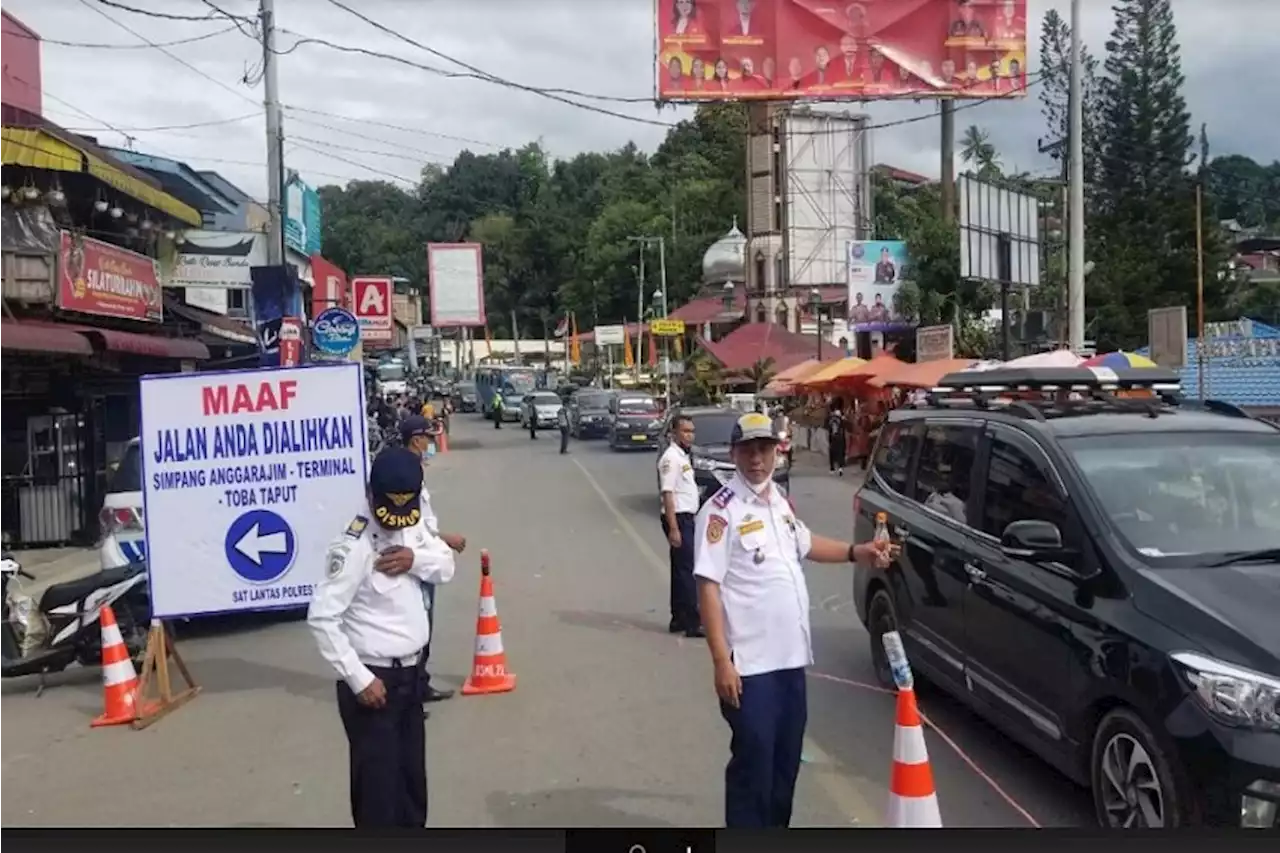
x=369 y=622
x=749 y=550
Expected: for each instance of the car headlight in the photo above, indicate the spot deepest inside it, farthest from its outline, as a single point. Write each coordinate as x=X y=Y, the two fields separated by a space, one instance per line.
x=1232 y=694
x=655 y=424
x=703 y=464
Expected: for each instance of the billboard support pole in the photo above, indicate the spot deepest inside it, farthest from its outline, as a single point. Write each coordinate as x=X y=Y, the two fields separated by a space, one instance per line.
x=1075 y=174
x=948 y=173
x=275 y=136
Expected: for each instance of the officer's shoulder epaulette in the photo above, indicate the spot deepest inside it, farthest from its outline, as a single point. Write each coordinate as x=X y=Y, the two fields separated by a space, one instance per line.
x=722 y=498
x=357 y=527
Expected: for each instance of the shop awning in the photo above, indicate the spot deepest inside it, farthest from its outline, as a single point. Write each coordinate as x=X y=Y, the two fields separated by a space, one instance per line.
x=114 y=340
x=226 y=328
x=47 y=148
x=29 y=337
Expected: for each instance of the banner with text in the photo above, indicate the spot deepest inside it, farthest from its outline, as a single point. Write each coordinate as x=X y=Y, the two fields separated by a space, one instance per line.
x=247 y=477
x=875 y=271
x=99 y=278
x=718 y=50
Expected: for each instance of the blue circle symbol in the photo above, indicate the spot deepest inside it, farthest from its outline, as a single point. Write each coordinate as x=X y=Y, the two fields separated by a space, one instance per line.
x=335 y=332
x=260 y=546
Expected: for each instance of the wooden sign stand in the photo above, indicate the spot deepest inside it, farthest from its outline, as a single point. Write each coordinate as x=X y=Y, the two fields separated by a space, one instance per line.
x=160 y=649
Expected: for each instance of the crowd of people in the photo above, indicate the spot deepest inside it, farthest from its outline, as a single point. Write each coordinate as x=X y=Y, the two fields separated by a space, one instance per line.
x=387 y=413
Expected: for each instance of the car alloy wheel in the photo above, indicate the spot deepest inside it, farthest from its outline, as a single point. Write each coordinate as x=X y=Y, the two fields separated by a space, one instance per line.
x=1134 y=786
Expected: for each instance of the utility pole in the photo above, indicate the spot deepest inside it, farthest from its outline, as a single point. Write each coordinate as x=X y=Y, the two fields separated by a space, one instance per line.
x=275 y=134
x=641 y=245
x=666 y=341
x=1075 y=176
x=948 y=173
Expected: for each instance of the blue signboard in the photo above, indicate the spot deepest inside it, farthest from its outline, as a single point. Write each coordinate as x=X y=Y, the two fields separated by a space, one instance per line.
x=275 y=293
x=335 y=332
x=260 y=546
x=301 y=217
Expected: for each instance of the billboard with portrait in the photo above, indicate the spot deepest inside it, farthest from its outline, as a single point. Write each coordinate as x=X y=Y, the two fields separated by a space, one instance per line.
x=716 y=50
x=876 y=269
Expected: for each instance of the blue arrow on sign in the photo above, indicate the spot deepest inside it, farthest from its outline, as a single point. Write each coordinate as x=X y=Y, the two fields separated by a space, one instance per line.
x=260 y=546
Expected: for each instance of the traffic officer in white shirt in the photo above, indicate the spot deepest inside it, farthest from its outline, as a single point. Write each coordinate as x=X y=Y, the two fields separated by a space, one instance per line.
x=416 y=434
x=679 y=507
x=370 y=625
x=755 y=607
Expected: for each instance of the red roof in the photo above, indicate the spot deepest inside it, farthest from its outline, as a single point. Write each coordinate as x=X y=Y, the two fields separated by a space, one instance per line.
x=753 y=342
x=710 y=309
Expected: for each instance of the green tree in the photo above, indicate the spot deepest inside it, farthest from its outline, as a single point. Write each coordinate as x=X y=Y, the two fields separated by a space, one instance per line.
x=977 y=152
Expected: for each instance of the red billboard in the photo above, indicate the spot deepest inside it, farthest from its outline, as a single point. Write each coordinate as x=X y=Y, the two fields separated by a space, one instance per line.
x=371 y=299
x=718 y=50
x=98 y=278
x=21 y=48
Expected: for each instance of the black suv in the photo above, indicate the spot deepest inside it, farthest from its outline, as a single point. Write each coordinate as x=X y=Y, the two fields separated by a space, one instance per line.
x=1098 y=576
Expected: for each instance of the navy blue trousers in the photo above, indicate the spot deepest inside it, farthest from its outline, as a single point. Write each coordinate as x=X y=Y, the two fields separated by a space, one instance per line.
x=684 y=589
x=768 y=731
x=428 y=601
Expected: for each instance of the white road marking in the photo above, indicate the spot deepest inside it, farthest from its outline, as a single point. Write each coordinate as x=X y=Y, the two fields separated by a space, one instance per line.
x=833 y=779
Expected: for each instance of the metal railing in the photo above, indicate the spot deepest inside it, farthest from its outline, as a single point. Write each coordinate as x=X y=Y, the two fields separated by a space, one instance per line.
x=46 y=511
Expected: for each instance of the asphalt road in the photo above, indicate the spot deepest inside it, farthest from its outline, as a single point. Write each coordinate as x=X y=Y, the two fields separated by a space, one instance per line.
x=613 y=721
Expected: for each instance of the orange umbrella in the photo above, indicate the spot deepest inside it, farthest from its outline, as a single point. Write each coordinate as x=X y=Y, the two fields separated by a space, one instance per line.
x=881 y=365
x=830 y=372
x=922 y=374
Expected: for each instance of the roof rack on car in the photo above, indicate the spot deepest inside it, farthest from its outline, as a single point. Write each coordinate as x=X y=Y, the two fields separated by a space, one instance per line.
x=1040 y=393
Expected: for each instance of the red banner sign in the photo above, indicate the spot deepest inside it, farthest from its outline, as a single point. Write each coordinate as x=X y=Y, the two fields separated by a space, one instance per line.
x=290 y=341
x=727 y=50
x=99 y=278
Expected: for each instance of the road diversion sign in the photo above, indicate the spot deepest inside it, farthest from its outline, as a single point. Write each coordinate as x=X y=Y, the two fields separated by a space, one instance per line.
x=247 y=478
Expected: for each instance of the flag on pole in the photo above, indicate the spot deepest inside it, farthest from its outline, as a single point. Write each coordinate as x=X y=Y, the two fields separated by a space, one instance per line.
x=488 y=342
x=679 y=345
x=628 y=358
x=575 y=350
x=653 y=352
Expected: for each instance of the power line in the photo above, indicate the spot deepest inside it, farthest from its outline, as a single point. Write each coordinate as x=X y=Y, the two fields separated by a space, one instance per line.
x=359 y=165
x=105 y=46
x=165 y=127
x=167 y=16
x=493 y=78
x=163 y=50
x=375 y=123
x=429 y=156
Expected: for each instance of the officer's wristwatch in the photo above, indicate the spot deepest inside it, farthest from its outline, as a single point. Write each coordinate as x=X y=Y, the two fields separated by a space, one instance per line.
x=853 y=552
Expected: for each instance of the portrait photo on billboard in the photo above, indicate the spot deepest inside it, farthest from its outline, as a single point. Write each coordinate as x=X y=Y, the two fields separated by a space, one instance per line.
x=876 y=269
x=817 y=50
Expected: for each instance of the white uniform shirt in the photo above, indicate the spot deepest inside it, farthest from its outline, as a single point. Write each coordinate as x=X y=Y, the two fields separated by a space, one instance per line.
x=361 y=617
x=675 y=475
x=752 y=547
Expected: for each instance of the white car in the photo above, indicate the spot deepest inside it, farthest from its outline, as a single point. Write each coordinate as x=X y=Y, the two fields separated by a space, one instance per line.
x=121 y=519
x=541 y=410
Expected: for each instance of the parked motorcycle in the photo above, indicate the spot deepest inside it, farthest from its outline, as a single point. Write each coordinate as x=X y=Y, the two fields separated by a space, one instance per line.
x=39 y=637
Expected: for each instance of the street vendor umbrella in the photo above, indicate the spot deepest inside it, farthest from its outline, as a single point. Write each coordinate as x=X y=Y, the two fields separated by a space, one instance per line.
x=784 y=384
x=1053 y=358
x=831 y=372
x=923 y=374
x=857 y=376
x=1119 y=360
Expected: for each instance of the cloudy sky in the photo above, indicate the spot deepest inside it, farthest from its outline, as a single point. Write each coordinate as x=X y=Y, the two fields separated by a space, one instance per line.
x=355 y=116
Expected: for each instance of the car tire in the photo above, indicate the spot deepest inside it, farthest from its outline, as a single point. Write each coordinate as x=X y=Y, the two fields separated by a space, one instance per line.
x=882 y=617
x=1133 y=778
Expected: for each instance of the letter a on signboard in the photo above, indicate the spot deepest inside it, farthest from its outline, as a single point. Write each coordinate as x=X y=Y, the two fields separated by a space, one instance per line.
x=371 y=301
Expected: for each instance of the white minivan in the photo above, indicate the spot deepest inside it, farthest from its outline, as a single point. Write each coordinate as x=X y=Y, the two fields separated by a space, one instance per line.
x=123 y=532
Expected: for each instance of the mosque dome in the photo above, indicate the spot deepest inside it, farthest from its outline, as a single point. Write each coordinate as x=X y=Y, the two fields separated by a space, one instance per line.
x=726 y=260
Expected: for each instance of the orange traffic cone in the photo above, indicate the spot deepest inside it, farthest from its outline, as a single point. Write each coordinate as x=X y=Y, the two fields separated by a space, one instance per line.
x=489 y=672
x=442 y=441
x=119 y=680
x=913 y=800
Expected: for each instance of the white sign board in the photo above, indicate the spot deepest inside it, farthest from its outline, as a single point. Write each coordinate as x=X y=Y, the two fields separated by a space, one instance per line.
x=217 y=259
x=934 y=343
x=247 y=477
x=456 y=273
x=999 y=233
x=610 y=336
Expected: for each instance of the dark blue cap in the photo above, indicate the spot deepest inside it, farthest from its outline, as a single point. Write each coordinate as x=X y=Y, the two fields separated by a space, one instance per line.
x=395 y=488
x=412 y=426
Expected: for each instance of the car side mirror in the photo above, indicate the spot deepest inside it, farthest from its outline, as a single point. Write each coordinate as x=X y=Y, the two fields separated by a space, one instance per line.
x=1033 y=539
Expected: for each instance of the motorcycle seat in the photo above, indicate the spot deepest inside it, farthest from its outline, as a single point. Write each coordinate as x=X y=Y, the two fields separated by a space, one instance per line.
x=62 y=594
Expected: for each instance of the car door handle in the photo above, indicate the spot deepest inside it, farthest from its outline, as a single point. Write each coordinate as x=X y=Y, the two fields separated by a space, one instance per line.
x=974 y=573
x=901 y=532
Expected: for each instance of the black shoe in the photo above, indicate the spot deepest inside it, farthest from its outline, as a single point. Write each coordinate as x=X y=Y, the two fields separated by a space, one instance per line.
x=426 y=715
x=695 y=633
x=674 y=628
x=434 y=695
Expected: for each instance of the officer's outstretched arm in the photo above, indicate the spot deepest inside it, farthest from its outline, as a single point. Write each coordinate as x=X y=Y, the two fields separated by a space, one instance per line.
x=346 y=565
x=433 y=561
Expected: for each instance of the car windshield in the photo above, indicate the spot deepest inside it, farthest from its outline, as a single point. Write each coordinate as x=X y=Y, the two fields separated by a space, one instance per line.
x=546 y=398
x=637 y=406
x=714 y=429
x=1173 y=494
x=592 y=401
x=466 y=388
x=391 y=372
x=128 y=474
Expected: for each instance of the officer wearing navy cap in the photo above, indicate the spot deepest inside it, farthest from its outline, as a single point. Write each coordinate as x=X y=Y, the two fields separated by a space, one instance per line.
x=416 y=433
x=749 y=550
x=369 y=622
